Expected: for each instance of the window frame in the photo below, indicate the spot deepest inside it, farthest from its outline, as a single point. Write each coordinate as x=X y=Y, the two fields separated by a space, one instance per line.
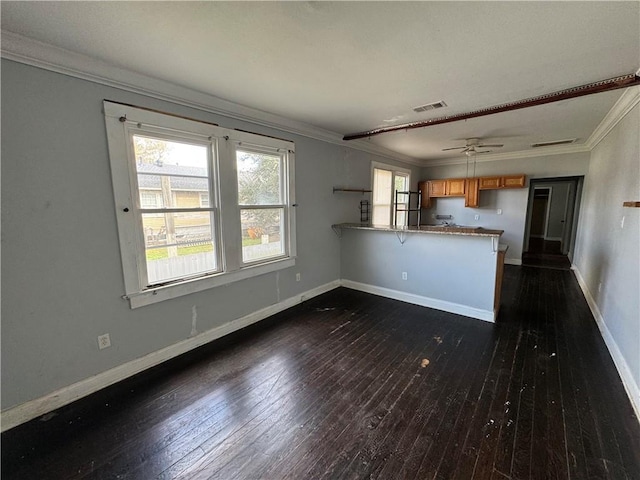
x=138 y=211
x=395 y=171
x=284 y=193
x=120 y=120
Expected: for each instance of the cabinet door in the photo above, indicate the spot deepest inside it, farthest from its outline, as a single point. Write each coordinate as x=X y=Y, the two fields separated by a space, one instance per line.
x=455 y=187
x=490 y=183
x=425 y=201
x=513 y=181
x=437 y=188
x=472 y=195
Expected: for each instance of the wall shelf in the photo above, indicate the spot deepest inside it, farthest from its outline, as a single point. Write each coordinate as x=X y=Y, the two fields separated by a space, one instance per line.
x=351 y=190
x=631 y=204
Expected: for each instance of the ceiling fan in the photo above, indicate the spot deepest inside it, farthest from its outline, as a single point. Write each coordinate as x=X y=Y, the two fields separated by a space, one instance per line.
x=472 y=145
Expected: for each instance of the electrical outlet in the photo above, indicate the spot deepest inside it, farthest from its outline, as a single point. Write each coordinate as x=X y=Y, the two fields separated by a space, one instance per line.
x=404 y=275
x=499 y=211
x=477 y=217
x=104 y=341
x=297 y=277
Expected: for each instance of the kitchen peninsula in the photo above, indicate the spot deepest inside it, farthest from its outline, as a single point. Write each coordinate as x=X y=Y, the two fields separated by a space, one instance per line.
x=457 y=269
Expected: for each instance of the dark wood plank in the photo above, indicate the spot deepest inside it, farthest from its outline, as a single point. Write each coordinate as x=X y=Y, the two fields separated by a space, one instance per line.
x=334 y=388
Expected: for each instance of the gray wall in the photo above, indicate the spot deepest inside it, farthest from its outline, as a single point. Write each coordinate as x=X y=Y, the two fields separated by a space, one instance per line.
x=61 y=271
x=608 y=255
x=512 y=202
x=557 y=208
x=457 y=269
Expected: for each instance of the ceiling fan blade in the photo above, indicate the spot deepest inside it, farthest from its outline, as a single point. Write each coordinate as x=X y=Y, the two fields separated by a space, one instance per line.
x=453 y=148
x=486 y=151
x=487 y=145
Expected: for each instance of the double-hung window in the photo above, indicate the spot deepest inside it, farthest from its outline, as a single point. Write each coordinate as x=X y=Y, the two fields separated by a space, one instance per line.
x=261 y=194
x=197 y=205
x=386 y=181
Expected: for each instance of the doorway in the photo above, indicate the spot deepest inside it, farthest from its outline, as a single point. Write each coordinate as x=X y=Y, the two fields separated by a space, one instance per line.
x=551 y=222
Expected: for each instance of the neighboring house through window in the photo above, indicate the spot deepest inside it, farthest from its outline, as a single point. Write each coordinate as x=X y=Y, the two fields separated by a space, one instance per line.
x=197 y=205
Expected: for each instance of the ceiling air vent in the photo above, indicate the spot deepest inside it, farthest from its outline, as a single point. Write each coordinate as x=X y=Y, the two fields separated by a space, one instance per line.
x=555 y=142
x=430 y=106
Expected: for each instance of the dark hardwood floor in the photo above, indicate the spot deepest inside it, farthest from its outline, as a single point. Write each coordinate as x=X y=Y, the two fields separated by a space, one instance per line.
x=350 y=385
x=545 y=254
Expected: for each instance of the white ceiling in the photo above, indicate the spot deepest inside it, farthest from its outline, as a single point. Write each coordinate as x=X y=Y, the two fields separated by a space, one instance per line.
x=353 y=66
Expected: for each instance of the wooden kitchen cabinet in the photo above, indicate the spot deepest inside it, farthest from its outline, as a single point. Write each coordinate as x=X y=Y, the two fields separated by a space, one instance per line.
x=499 y=274
x=450 y=187
x=489 y=183
x=503 y=181
x=456 y=187
x=472 y=193
x=469 y=188
x=437 y=188
x=513 y=181
x=425 y=201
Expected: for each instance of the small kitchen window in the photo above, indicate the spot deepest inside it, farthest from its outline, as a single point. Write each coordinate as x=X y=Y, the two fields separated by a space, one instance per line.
x=386 y=180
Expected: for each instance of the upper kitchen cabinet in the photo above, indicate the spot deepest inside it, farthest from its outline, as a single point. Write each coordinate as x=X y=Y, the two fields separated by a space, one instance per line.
x=456 y=187
x=469 y=188
x=425 y=201
x=437 y=188
x=503 y=181
x=450 y=187
x=472 y=193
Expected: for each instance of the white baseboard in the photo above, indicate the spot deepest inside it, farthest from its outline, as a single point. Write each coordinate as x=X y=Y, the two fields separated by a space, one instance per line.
x=632 y=388
x=513 y=261
x=27 y=411
x=450 y=307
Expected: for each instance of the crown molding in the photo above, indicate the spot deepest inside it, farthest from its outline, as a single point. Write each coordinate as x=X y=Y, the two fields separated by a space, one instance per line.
x=25 y=50
x=629 y=99
x=533 y=153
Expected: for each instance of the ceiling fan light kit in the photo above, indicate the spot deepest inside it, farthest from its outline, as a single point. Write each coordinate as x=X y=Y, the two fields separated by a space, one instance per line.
x=471 y=147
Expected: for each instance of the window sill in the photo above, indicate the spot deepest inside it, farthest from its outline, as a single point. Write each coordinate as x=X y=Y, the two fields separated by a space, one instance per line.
x=167 y=292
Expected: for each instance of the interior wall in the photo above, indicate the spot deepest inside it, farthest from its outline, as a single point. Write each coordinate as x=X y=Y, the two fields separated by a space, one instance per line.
x=557 y=210
x=539 y=214
x=441 y=279
x=512 y=202
x=61 y=269
x=607 y=254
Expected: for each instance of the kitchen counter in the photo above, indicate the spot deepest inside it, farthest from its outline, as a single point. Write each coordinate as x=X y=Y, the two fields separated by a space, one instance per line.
x=436 y=229
x=457 y=269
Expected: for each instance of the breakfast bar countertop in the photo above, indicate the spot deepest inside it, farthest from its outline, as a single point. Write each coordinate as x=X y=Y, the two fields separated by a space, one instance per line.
x=431 y=229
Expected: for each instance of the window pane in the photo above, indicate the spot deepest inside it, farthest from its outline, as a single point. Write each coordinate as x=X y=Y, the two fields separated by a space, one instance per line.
x=401 y=182
x=382 y=186
x=259 y=178
x=381 y=196
x=175 y=173
x=178 y=245
x=262 y=231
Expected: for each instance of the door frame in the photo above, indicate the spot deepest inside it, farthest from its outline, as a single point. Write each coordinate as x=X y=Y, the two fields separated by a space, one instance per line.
x=571 y=210
x=546 y=213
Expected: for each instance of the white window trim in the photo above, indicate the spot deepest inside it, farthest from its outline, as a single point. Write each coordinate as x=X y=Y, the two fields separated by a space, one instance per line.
x=393 y=169
x=284 y=192
x=228 y=233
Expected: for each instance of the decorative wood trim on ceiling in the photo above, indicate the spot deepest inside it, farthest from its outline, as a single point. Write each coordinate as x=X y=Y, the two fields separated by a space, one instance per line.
x=609 y=84
x=631 y=204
